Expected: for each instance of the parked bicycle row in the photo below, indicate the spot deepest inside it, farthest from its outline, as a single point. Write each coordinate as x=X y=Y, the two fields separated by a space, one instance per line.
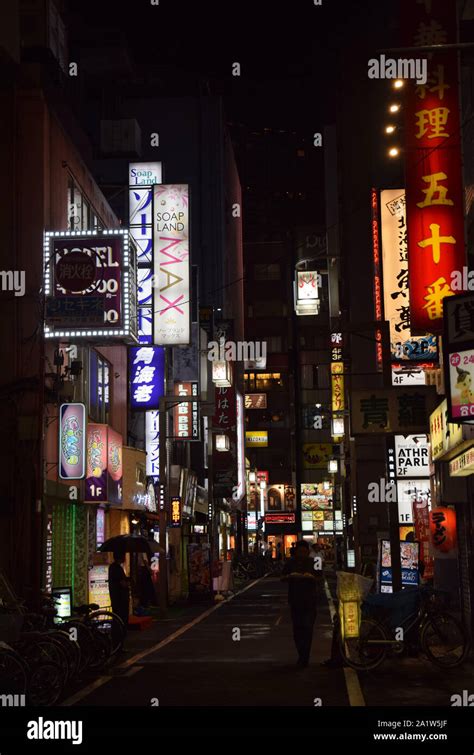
x=42 y=655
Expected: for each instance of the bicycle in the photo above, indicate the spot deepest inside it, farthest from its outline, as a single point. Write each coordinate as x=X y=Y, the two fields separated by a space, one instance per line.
x=434 y=631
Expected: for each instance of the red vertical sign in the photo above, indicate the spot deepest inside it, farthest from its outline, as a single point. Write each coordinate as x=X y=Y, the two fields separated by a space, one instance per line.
x=434 y=194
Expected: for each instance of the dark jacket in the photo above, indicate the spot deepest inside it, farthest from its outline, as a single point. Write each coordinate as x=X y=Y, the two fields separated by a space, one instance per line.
x=302 y=590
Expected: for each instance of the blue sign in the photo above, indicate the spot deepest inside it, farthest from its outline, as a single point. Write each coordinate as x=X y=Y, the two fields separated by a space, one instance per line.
x=147 y=376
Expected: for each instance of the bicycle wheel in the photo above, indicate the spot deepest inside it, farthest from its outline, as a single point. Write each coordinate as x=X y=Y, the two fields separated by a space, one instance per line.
x=72 y=650
x=81 y=634
x=368 y=649
x=45 y=684
x=39 y=648
x=13 y=673
x=444 y=640
x=109 y=625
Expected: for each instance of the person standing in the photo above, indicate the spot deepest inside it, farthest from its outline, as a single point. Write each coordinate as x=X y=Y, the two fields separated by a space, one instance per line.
x=302 y=593
x=119 y=588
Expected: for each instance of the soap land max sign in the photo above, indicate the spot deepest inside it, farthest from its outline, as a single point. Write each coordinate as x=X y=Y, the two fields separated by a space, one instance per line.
x=171 y=285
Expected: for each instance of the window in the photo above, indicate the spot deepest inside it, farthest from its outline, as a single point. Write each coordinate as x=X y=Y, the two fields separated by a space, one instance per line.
x=270 y=272
x=99 y=387
x=263 y=381
x=80 y=216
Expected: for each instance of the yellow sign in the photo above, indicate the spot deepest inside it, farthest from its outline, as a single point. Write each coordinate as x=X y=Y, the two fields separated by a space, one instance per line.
x=337 y=386
x=256 y=438
x=176 y=512
x=349 y=614
x=462 y=465
x=317 y=455
x=444 y=435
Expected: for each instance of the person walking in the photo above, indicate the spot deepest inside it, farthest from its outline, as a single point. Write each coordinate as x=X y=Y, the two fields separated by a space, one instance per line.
x=302 y=594
x=119 y=588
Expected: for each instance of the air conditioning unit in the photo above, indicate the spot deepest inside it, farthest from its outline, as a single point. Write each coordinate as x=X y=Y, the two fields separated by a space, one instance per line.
x=121 y=137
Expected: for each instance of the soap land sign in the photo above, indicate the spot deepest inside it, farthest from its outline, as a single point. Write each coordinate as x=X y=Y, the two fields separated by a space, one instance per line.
x=171 y=287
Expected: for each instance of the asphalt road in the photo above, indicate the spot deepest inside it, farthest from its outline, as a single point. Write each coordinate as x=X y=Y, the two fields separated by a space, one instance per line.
x=241 y=653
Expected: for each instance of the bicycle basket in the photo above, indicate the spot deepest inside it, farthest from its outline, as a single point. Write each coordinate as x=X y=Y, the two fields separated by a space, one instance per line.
x=351 y=586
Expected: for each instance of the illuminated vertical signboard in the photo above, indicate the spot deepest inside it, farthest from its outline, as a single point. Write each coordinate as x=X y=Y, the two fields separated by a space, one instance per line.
x=152 y=444
x=396 y=291
x=186 y=415
x=72 y=441
x=377 y=277
x=146 y=370
x=171 y=265
x=97 y=455
x=114 y=467
x=434 y=192
x=141 y=178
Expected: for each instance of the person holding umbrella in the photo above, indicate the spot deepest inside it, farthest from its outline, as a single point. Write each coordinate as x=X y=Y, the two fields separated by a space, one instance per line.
x=119 y=587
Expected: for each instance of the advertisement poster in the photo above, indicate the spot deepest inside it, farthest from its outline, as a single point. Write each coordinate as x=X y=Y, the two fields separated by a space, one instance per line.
x=409 y=556
x=461 y=384
x=72 y=441
x=316 y=496
x=199 y=568
x=99 y=586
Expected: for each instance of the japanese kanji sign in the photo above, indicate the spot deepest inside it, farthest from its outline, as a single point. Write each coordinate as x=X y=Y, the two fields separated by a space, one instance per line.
x=224 y=422
x=142 y=177
x=147 y=376
x=395 y=281
x=152 y=444
x=434 y=194
x=392 y=410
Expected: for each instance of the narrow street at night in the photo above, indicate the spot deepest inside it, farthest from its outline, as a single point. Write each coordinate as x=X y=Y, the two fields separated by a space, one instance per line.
x=237 y=384
x=258 y=669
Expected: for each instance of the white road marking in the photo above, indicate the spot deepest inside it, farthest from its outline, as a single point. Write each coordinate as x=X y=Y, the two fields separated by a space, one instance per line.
x=138 y=656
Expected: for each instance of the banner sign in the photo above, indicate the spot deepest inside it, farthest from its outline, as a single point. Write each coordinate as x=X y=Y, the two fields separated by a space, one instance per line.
x=280 y=518
x=72 y=441
x=392 y=410
x=395 y=282
x=172 y=289
x=114 y=466
x=434 y=191
x=146 y=369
